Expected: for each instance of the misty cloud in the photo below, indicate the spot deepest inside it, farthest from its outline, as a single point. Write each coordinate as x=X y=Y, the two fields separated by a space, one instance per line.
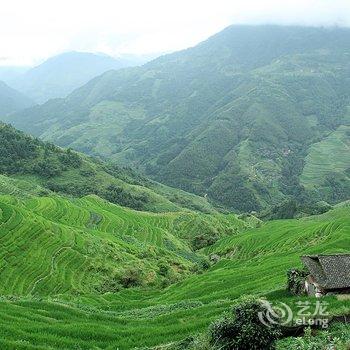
x=32 y=31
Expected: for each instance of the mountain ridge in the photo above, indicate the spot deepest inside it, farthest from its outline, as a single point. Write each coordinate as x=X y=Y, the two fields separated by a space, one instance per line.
x=233 y=117
x=12 y=100
x=59 y=75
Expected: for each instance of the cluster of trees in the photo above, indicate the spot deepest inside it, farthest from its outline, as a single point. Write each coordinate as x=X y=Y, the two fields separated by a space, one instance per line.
x=22 y=154
x=205 y=238
x=126 y=174
x=163 y=274
x=291 y=208
x=119 y=195
x=113 y=193
x=338 y=186
x=234 y=191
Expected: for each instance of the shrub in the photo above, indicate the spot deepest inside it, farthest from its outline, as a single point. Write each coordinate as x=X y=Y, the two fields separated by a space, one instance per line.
x=132 y=277
x=203 y=264
x=164 y=268
x=48 y=168
x=338 y=337
x=296 y=281
x=109 y=285
x=200 y=265
x=119 y=195
x=205 y=238
x=243 y=330
x=70 y=159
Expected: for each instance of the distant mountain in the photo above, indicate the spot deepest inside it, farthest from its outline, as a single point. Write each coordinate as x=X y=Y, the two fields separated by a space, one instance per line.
x=250 y=117
x=9 y=74
x=60 y=75
x=12 y=100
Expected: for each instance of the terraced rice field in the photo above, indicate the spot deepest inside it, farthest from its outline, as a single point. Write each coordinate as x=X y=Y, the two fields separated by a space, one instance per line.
x=54 y=252
x=330 y=155
x=51 y=245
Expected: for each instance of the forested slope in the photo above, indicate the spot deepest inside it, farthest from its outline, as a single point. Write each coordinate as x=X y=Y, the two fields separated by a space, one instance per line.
x=36 y=167
x=242 y=117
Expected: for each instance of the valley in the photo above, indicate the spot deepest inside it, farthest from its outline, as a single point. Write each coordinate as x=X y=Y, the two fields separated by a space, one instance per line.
x=141 y=207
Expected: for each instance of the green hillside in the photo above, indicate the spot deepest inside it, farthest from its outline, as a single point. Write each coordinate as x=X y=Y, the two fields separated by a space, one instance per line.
x=52 y=245
x=328 y=163
x=41 y=168
x=69 y=271
x=239 y=117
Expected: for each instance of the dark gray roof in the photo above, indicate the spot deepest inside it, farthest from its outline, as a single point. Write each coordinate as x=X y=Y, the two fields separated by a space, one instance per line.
x=329 y=271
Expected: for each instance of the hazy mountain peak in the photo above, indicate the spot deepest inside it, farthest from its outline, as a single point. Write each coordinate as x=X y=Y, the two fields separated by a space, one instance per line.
x=12 y=100
x=61 y=74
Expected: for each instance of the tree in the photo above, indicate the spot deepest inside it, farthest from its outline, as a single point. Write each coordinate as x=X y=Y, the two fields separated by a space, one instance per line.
x=296 y=281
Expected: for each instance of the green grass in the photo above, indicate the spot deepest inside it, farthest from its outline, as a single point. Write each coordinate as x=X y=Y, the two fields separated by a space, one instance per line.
x=53 y=251
x=19 y=188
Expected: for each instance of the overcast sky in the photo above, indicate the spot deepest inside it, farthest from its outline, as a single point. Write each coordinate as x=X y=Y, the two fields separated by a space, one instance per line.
x=31 y=31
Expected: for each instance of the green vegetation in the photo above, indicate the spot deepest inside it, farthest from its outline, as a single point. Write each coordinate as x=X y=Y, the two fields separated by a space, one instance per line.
x=248 y=131
x=65 y=171
x=84 y=273
x=95 y=256
x=242 y=329
x=327 y=167
x=337 y=337
x=290 y=208
x=89 y=245
x=296 y=281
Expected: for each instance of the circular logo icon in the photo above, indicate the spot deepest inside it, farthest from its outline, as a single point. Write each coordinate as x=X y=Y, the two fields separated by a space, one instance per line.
x=277 y=313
